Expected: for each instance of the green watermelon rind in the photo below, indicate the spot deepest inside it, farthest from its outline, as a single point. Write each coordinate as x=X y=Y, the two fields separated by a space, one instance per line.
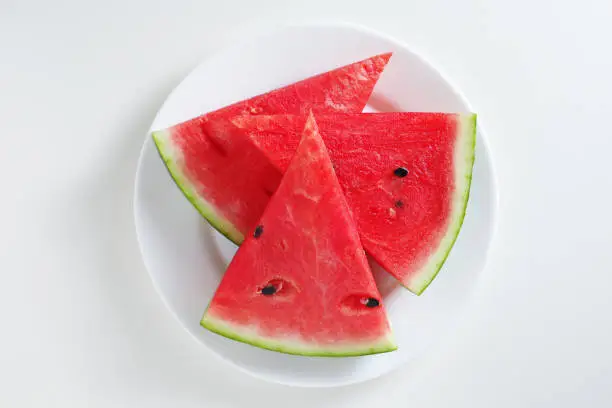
x=464 y=154
x=173 y=158
x=385 y=344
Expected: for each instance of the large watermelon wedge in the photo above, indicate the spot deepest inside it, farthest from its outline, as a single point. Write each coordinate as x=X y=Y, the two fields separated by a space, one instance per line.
x=300 y=283
x=406 y=177
x=227 y=180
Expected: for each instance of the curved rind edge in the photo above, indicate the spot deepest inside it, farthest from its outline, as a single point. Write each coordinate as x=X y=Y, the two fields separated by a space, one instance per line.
x=464 y=163
x=171 y=157
x=244 y=335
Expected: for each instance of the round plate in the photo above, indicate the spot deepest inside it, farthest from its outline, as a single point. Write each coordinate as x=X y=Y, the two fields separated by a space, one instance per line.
x=186 y=258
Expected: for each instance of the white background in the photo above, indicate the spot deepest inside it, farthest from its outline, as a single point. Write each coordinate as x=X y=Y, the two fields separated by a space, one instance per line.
x=80 y=323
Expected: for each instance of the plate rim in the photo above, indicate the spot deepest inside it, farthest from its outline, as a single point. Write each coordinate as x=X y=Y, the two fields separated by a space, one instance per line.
x=493 y=202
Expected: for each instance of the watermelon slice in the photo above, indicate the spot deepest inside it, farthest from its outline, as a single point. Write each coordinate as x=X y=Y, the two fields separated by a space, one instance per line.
x=300 y=283
x=224 y=177
x=406 y=177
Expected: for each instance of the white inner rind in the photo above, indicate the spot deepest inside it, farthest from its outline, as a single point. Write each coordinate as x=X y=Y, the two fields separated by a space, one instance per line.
x=463 y=164
x=291 y=345
x=173 y=157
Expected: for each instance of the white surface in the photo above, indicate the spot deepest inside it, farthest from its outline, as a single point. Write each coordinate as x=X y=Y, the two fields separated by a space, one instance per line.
x=81 y=322
x=187 y=258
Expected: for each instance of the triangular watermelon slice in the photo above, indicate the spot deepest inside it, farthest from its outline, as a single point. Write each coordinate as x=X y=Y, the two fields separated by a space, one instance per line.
x=300 y=283
x=406 y=177
x=202 y=154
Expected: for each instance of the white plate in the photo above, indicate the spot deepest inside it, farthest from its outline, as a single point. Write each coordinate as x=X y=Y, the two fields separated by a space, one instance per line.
x=186 y=258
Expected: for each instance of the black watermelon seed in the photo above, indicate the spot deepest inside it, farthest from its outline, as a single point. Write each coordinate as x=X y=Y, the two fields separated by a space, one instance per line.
x=372 y=302
x=399 y=203
x=258 y=231
x=400 y=172
x=268 y=290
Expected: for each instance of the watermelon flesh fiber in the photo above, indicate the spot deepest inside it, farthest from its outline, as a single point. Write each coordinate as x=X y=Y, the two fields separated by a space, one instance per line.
x=197 y=152
x=300 y=283
x=408 y=224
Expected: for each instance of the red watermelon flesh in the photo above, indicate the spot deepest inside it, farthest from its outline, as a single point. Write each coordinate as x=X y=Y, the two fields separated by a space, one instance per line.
x=300 y=283
x=406 y=177
x=200 y=153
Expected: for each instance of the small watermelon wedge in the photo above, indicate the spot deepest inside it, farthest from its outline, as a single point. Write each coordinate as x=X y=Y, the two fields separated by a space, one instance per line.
x=202 y=153
x=300 y=283
x=406 y=177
